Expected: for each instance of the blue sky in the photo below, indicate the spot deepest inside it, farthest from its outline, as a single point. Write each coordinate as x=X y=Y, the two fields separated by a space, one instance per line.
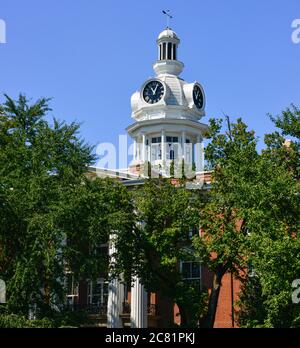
x=90 y=56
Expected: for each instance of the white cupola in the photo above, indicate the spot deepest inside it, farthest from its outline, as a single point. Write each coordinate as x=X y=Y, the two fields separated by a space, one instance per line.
x=167 y=62
x=166 y=110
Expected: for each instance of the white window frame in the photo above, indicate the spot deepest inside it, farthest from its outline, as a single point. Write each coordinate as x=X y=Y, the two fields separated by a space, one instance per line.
x=155 y=152
x=90 y=293
x=74 y=289
x=191 y=278
x=188 y=153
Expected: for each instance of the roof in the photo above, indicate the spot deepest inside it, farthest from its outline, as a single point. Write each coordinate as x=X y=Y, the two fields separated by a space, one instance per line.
x=202 y=180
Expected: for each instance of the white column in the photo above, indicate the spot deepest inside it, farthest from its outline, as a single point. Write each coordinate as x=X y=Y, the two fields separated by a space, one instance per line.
x=163 y=145
x=149 y=149
x=134 y=149
x=138 y=149
x=115 y=296
x=199 y=160
x=183 y=138
x=144 y=148
x=139 y=313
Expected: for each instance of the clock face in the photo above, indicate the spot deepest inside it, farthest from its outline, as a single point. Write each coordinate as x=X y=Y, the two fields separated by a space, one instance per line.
x=153 y=92
x=198 y=97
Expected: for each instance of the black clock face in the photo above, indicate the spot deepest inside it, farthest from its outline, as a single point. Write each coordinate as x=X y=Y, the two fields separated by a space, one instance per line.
x=198 y=97
x=153 y=92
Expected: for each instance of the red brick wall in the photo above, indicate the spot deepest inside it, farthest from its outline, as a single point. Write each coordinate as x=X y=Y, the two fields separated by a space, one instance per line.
x=176 y=315
x=228 y=296
x=225 y=315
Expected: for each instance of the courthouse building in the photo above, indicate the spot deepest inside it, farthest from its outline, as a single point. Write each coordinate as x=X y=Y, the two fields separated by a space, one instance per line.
x=166 y=113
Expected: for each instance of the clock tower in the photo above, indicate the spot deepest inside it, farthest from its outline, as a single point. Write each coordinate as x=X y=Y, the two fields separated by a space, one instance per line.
x=166 y=112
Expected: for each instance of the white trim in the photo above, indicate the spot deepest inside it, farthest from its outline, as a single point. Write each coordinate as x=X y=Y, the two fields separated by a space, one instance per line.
x=113 y=173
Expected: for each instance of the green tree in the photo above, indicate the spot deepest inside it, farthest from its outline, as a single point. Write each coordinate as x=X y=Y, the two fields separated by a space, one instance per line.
x=166 y=215
x=52 y=217
x=274 y=225
x=172 y=169
x=232 y=157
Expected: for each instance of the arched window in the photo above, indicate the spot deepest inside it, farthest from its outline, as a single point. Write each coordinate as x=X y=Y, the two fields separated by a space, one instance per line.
x=155 y=149
x=172 y=148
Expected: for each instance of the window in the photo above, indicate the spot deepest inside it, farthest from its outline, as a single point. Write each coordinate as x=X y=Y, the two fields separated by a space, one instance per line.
x=155 y=152
x=98 y=292
x=190 y=270
x=155 y=149
x=172 y=139
x=172 y=148
x=172 y=151
x=72 y=289
x=102 y=250
x=174 y=52
x=156 y=140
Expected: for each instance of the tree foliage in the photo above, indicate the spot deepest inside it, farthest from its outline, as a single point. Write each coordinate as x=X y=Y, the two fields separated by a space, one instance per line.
x=222 y=244
x=274 y=226
x=52 y=217
x=166 y=215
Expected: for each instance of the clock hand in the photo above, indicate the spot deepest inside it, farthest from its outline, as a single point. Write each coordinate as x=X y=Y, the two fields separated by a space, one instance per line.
x=197 y=94
x=155 y=88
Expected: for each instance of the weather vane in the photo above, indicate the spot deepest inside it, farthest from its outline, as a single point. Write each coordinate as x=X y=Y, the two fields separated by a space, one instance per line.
x=168 y=15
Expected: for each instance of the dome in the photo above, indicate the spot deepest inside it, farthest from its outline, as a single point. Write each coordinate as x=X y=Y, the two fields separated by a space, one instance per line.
x=167 y=33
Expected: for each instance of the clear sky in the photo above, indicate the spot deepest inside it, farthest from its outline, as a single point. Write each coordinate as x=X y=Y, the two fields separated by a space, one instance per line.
x=90 y=56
